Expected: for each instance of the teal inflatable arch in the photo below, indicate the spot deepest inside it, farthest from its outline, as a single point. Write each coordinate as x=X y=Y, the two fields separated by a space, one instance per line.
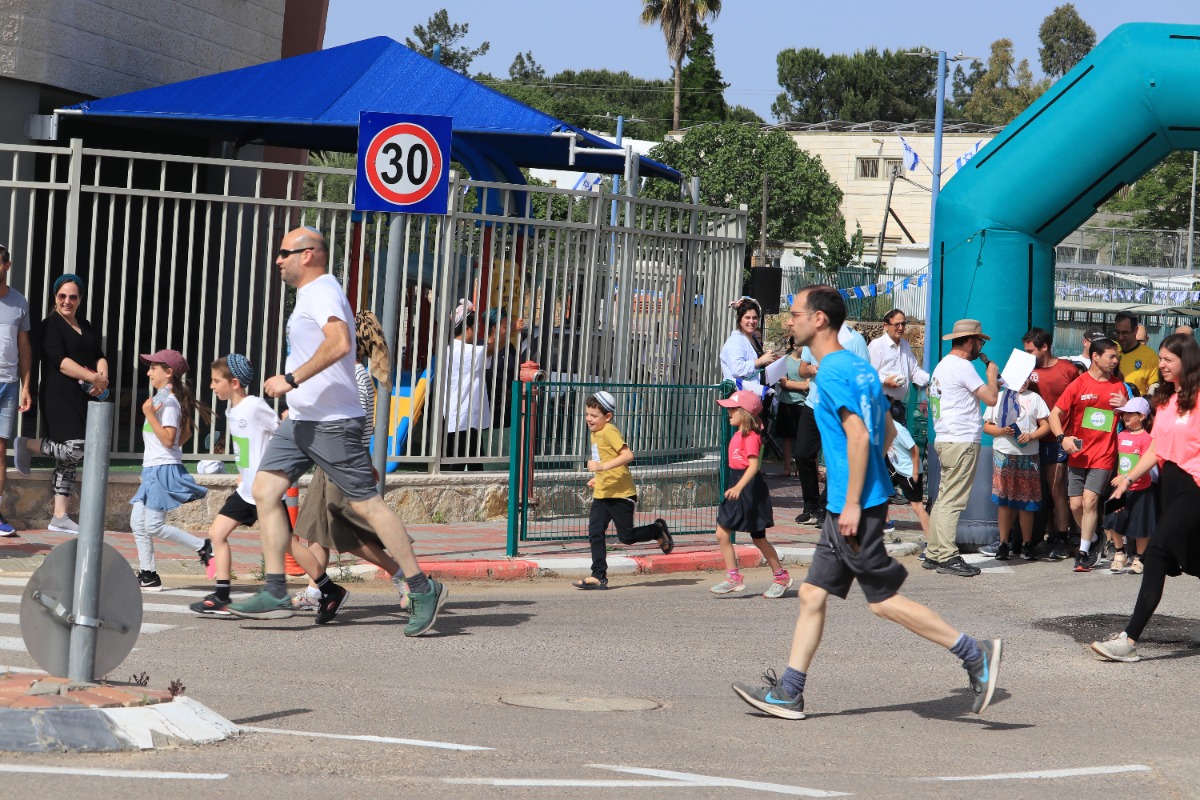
x=1120 y=111
x=1133 y=100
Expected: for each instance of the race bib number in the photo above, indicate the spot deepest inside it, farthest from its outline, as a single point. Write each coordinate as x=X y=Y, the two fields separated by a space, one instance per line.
x=936 y=404
x=1097 y=419
x=595 y=452
x=1126 y=462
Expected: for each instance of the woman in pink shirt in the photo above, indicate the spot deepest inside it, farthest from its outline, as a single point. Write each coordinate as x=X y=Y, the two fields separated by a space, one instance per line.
x=1176 y=450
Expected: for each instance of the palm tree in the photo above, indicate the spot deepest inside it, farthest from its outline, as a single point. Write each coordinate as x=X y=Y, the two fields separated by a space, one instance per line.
x=679 y=20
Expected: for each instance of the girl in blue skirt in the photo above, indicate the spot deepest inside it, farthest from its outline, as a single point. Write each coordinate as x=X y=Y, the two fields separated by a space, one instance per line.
x=165 y=483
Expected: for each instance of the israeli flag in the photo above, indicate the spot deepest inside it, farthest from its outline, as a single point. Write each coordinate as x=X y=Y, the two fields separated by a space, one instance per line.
x=962 y=160
x=911 y=159
x=588 y=181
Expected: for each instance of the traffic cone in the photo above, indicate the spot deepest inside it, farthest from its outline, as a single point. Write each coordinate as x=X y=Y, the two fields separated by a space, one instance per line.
x=292 y=501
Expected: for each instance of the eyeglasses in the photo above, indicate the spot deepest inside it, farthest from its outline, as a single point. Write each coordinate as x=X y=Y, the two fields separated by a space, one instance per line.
x=898 y=324
x=288 y=253
x=69 y=298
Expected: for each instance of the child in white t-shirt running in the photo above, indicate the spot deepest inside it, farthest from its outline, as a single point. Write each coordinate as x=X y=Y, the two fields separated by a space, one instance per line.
x=1016 y=423
x=904 y=468
x=251 y=424
x=166 y=484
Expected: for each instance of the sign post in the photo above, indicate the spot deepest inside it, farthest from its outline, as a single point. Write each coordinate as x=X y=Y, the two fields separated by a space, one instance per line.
x=403 y=168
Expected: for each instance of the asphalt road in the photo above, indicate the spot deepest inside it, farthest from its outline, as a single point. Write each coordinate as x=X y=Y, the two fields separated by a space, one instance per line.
x=889 y=713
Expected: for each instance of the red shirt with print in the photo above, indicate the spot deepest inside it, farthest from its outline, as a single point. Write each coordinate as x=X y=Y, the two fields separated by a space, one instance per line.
x=742 y=448
x=1088 y=415
x=1050 y=382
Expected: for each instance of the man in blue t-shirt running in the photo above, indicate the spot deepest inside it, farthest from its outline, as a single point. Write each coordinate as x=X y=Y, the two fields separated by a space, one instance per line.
x=856 y=432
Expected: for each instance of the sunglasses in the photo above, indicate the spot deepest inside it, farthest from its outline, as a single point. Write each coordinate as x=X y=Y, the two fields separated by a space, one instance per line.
x=288 y=253
x=73 y=298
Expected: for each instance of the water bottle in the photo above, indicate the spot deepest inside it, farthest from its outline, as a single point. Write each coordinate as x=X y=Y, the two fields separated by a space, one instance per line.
x=87 y=387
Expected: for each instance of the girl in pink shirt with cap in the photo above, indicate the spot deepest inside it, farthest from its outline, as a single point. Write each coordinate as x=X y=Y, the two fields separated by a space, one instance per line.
x=747 y=503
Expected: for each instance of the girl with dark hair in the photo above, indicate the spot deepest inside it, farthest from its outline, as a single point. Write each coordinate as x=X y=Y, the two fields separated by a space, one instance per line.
x=1175 y=449
x=466 y=407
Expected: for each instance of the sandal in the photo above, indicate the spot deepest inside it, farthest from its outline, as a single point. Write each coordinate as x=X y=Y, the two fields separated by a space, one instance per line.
x=590 y=583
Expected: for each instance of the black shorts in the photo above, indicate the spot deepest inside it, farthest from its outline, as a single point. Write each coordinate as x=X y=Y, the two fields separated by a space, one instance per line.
x=835 y=565
x=913 y=491
x=236 y=508
x=787 y=419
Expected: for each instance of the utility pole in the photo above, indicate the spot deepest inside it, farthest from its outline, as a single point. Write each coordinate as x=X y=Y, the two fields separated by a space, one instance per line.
x=766 y=187
x=1192 y=215
x=887 y=212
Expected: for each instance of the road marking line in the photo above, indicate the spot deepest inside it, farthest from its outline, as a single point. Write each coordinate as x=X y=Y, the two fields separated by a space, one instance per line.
x=147 y=627
x=116 y=773
x=380 y=739
x=582 y=784
x=158 y=608
x=1046 y=773
x=978 y=560
x=12 y=643
x=9 y=668
x=710 y=780
x=13 y=581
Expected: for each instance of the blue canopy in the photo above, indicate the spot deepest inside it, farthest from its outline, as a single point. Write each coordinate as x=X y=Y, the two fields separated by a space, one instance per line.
x=313 y=101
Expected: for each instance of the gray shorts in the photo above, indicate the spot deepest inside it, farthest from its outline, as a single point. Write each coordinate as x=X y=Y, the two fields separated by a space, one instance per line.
x=1094 y=480
x=835 y=565
x=334 y=446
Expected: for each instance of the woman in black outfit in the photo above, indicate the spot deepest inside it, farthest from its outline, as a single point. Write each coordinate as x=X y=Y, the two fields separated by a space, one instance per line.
x=71 y=358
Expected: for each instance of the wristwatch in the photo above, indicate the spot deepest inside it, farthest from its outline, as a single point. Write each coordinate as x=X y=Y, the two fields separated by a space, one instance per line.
x=290 y=378
x=1058 y=438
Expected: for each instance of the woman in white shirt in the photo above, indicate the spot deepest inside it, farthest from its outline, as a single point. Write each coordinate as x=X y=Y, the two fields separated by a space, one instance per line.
x=742 y=354
x=466 y=407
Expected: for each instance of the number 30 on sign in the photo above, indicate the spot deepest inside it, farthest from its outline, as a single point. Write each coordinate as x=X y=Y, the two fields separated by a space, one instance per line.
x=403 y=163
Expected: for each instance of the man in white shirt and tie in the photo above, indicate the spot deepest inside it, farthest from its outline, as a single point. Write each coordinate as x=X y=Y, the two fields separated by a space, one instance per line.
x=892 y=357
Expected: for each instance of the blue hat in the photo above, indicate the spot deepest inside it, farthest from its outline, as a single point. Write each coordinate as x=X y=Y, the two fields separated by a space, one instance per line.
x=69 y=278
x=240 y=368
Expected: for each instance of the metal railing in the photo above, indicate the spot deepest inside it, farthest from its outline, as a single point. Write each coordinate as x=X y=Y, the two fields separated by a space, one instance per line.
x=867 y=309
x=678 y=435
x=179 y=252
x=1131 y=247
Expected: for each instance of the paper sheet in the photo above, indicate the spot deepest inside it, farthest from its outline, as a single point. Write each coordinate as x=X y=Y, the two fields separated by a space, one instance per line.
x=776 y=370
x=1018 y=369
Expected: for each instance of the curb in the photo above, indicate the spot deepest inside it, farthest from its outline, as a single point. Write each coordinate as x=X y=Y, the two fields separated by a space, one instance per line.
x=101 y=730
x=580 y=566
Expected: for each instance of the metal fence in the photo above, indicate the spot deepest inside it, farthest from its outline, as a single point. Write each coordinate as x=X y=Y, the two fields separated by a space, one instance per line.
x=866 y=309
x=1131 y=247
x=678 y=435
x=179 y=252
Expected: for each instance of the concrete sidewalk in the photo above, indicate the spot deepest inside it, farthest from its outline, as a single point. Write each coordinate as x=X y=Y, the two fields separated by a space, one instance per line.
x=476 y=550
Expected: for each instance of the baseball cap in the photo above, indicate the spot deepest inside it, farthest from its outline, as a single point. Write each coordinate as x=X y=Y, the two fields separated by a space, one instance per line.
x=1094 y=332
x=744 y=399
x=1136 y=405
x=171 y=358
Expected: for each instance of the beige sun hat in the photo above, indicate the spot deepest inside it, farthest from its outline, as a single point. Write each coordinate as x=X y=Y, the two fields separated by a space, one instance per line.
x=966 y=327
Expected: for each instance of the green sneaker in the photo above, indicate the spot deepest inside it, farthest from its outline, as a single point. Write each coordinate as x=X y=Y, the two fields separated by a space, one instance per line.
x=263 y=605
x=424 y=608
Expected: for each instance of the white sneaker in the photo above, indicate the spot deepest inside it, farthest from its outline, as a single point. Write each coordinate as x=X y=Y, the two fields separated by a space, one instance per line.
x=303 y=601
x=1116 y=648
x=727 y=587
x=63 y=525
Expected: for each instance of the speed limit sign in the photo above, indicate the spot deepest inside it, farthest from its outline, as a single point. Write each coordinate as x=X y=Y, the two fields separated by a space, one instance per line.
x=403 y=163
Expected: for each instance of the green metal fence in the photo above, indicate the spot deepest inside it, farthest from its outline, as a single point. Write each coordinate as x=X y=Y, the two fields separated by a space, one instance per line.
x=677 y=433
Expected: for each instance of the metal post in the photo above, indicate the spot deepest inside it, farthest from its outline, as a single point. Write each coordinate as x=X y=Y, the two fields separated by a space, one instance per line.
x=81 y=659
x=74 y=190
x=624 y=300
x=887 y=210
x=1192 y=215
x=391 y=324
x=933 y=327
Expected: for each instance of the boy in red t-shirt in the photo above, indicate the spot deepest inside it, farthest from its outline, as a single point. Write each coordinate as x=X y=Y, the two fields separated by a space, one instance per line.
x=1084 y=423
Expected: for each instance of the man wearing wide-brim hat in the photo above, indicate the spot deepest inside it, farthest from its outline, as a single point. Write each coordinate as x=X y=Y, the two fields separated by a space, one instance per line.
x=955 y=392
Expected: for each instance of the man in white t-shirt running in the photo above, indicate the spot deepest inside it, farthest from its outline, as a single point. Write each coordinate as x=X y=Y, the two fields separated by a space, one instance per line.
x=955 y=391
x=324 y=426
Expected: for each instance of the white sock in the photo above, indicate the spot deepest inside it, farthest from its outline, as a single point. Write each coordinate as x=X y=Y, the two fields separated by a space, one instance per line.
x=314 y=592
x=1085 y=545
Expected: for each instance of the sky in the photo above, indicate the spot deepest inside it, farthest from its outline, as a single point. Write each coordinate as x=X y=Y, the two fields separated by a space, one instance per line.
x=747 y=35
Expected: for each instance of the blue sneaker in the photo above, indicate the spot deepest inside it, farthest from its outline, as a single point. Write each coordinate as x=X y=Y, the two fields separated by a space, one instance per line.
x=984 y=673
x=5 y=528
x=889 y=527
x=771 y=699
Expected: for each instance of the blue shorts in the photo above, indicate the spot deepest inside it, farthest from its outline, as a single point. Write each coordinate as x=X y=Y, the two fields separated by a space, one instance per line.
x=10 y=393
x=1051 y=452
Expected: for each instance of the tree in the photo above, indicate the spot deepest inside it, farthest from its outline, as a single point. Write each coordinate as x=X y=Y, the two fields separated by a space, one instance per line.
x=525 y=68
x=832 y=251
x=1066 y=39
x=863 y=86
x=999 y=92
x=744 y=115
x=730 y=160
x=702 y=88
x=679 y=20
x=1160 y=199
x=439 y=30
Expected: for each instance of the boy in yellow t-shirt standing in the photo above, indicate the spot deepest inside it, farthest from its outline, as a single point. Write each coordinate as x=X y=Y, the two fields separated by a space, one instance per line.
x=613 y=494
